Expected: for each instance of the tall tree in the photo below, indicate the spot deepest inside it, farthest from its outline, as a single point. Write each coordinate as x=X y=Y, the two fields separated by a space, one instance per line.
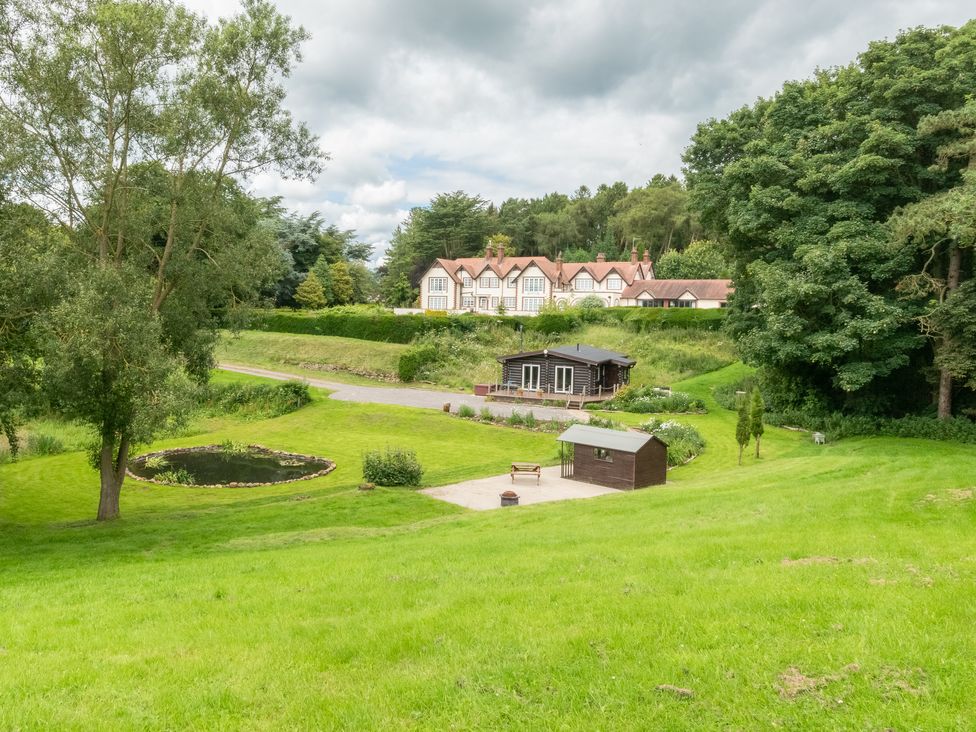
x=129 y=122
x=757 y=411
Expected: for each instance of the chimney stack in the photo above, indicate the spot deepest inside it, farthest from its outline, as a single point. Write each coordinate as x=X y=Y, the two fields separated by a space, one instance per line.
x=633 y=254
x=501 y=252
x=601 y=257
x=489 y=252
x=647 y=256
x=559 y=268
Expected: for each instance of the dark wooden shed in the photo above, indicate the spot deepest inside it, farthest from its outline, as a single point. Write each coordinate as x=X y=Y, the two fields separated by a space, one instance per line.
x=616 y=459
x=579 y=369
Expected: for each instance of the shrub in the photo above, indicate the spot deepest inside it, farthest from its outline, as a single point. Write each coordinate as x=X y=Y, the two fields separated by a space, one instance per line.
x=684 y=441
x=838 y=426
x=726 y=396
x=176 y=476
x=605 y=422
x=550 y=321
x=641 y=320
x=466 y=412
x=590 y=302
x=259 y=401
x=530 y=421
x=648 y=399
x=415 y=363
x=486 y=415
x=42 y=444
x=515 y=419
x=394 y=466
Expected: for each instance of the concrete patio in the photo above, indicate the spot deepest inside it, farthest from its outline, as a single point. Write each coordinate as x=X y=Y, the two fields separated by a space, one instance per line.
x=483 y=494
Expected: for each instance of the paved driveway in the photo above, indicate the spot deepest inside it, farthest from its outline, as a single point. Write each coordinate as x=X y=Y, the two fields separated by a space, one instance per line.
x=483 y=494
x=424 y=398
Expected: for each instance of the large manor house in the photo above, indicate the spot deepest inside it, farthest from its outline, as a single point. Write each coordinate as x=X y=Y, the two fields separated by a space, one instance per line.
x=523 y=285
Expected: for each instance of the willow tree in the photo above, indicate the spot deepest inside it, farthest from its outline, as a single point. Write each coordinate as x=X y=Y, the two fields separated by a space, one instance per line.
x=132 y=124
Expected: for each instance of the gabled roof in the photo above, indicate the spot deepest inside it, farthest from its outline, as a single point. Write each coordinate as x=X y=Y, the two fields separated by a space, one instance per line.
x=599 y=271
x=673 y=289
x=582 y=434
x=476 y=266
x=580 y=353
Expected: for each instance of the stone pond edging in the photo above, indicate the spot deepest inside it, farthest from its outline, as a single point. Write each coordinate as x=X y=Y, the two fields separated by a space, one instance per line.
x=218 y=448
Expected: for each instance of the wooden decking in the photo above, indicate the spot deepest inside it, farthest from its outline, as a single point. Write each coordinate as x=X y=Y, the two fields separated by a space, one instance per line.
x=503 y=393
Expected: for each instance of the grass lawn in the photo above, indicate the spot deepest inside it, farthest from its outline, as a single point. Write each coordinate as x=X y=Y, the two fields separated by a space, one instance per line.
x=814 y=588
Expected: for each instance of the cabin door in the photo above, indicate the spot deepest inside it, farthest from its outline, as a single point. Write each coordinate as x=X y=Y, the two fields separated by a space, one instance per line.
x=530 y=376
x=564 y=379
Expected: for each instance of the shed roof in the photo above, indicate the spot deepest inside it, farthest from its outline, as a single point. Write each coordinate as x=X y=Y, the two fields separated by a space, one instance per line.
x=582 y=434
x=579 y=352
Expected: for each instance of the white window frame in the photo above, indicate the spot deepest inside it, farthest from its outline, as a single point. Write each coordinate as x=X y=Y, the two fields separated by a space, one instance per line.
x=532 y=304
x=437 y=284
x=489 y=283
x=583 y=284
x=513 y=280
x=437 y=302
x=510 y=302
x=533 y=284
x=556 y=377
x=467 y=301
x=529 y=368
x=682 y=303
x=467 y=281
x=615 y=283
x=494 y=301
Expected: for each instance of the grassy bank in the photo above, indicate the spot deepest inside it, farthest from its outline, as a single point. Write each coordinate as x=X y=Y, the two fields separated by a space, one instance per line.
x=814 y=588
x=463 y=359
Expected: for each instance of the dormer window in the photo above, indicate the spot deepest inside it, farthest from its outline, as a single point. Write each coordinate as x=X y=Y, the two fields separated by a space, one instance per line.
x=583 y=283
x=467 y=281
x=490 y=283
x=614 y=283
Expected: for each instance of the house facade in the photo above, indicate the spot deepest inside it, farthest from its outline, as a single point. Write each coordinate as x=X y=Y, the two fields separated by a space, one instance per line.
x=524 y=285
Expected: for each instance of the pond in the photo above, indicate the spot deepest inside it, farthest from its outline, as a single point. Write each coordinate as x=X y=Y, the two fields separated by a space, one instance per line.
x=231 y=465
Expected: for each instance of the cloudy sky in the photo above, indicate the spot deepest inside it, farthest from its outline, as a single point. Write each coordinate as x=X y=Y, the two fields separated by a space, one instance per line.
x=521 y=97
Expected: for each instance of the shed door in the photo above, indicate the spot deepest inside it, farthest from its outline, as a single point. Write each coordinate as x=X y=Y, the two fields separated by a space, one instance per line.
x=530 y=376
x=564 y=379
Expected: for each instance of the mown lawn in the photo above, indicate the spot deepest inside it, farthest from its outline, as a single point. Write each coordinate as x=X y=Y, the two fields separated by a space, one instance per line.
x=815 y=588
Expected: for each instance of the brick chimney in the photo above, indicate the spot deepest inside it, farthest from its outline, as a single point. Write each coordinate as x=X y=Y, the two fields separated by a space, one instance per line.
x=489 y=252
x=647 y=256
x=633 y=254
x=601 y=257
x=559 y=268
x=501 y=252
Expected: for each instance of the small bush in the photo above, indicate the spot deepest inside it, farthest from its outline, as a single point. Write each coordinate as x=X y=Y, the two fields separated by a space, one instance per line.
x=684 y=441
x=530 y=421
x=466 y=412
x=515 y=419
x=486 y=415
x=591 y=302
x=394 y=466
x=42 y=444
x=605 y=422
x=416 y=361
x=175 y=476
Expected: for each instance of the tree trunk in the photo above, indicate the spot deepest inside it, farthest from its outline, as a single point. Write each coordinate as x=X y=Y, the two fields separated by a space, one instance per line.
x=111 y=467
x=945 y=376
x=758 y=438
x=741 y=447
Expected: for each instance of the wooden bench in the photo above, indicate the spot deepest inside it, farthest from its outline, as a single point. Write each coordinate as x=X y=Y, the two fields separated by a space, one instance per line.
x=529 y=469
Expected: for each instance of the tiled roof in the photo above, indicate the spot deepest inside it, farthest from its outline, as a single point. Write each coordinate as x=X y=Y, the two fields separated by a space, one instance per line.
x=673 y=289
x=600 y=270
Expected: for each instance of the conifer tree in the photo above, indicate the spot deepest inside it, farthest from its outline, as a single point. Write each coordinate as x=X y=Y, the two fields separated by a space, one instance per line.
x=342 y=285
x=742 y=428
x=757 y=409
x=310 y=293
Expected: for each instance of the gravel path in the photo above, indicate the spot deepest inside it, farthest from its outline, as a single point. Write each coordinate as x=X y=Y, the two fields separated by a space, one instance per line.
x=424 y=398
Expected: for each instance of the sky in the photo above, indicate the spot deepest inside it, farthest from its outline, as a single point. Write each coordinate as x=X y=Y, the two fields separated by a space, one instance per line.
x=505 y=98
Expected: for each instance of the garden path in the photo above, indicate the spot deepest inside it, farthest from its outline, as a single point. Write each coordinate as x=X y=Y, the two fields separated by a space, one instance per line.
x=424 y=398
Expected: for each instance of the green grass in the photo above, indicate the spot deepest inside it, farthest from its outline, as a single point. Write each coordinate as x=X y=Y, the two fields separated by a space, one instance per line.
x=846 y=570
x=346 y=360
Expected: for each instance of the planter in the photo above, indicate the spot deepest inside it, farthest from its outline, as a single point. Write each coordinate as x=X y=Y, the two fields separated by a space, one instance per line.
x=481 y=389
x=509 y=498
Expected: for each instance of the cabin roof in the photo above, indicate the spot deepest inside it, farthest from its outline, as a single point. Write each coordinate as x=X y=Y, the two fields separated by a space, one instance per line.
x=579 y=352
x=582 y=434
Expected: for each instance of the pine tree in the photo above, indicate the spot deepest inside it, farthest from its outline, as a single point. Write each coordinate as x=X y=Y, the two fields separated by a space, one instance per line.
x=342 y=287
x=757 y=409
x=310 y=294
x=742 y=428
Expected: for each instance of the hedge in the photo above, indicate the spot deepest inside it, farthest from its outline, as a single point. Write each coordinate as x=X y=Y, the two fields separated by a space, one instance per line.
x=839 y=426
x=390 y=328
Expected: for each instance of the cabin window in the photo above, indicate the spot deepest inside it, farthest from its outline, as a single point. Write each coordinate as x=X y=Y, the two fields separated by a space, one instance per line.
x=602 y=453
x=614 y=283
x=436 y=302
x=583 y=283
x=490 y=283
x=534 y=284
x=530 y=376
x=532 y=304
x=467 y=281
x=564 y=379
x=438 y=284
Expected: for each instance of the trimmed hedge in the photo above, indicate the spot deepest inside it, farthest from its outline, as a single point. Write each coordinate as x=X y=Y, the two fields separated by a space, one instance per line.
x=390 y=328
